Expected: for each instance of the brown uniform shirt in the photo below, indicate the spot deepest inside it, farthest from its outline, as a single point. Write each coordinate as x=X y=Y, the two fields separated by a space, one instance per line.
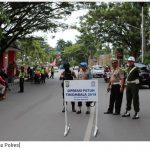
x=116 y=76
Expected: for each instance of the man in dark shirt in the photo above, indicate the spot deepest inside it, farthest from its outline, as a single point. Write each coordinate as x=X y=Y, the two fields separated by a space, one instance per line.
x=132 y=89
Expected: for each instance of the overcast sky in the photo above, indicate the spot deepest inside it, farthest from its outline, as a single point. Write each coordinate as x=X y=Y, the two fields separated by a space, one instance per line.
x=67 y=35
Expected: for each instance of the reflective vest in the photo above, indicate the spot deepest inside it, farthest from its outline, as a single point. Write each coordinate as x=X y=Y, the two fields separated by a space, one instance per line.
x=21 y=74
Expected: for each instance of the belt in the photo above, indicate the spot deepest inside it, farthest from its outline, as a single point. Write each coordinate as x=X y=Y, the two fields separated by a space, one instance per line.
x=136 y=81
x=116 y=83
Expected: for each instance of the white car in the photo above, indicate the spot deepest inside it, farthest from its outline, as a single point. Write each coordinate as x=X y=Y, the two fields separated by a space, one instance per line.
x=56 y=69
x=76 y=68
x=97 y=72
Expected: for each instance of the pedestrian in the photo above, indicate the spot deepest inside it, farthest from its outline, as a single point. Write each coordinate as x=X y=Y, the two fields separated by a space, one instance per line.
x=132 y=89
x=116 y=88
x=21 y=79
x=83 y=74
x=67 y=75
x=52 y=72
x=4 y=75
x=43 y=76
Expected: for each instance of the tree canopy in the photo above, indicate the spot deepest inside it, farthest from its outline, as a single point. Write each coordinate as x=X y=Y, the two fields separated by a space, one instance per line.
x=116 y=23
x=18 y=19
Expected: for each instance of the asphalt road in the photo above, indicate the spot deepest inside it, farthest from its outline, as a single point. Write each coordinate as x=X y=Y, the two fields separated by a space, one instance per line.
x=35 y=115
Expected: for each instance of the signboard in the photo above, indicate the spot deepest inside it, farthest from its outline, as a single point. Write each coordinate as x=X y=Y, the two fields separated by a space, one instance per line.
x=81 y=90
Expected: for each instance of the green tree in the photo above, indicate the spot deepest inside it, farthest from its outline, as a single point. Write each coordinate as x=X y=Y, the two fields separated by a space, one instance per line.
x=75 y=53
x=61 y=44
x=22 y=18
x=116 y=23
x=147 y=57
x=32 y=51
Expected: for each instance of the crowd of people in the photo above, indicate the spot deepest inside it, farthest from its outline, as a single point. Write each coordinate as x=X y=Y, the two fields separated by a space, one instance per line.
x=33 y=74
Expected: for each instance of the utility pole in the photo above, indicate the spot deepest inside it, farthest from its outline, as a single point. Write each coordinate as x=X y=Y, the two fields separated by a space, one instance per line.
x=142 y=32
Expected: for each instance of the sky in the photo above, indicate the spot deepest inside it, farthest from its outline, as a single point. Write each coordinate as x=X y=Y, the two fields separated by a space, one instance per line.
x=67 y=35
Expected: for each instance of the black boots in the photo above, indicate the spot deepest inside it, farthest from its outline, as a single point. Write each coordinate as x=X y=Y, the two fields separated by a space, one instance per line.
x=136 y=116
x=126 y=114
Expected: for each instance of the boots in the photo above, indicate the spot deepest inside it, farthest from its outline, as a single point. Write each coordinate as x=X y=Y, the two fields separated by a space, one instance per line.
x=79 y=111
x=63 y=109
x=88 y=110
x=136 y=116
x=126 y=114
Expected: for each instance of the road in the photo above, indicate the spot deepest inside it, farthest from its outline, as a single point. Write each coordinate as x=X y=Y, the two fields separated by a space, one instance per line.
x=35 y=115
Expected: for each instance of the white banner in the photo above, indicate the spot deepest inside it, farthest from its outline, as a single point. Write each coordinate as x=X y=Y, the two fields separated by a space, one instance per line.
x=81 y=90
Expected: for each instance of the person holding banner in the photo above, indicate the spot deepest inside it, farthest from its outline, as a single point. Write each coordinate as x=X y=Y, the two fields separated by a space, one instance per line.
x=116 y=88
x=83 y=75
x=67 y=75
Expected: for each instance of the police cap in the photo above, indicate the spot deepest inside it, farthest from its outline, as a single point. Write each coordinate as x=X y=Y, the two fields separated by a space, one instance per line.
x=83 y=64
x=114 y=60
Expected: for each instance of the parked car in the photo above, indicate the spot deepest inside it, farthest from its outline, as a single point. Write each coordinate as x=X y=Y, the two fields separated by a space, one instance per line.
x=97 y=72
x=76 y=68
x=56 y=69
x=144 y=74
x=61 y=67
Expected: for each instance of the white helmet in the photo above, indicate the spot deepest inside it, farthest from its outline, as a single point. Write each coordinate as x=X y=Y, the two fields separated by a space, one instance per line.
x=131 y=58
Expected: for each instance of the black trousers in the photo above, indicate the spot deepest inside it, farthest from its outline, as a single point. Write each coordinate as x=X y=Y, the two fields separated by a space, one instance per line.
x=132 y=94
x=43 y=78
x=21 y=84
x=72 y=103
x=115 y=99
x=87 y=104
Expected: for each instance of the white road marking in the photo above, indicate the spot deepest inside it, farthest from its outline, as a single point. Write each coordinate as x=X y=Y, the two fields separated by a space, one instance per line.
x=90 y=125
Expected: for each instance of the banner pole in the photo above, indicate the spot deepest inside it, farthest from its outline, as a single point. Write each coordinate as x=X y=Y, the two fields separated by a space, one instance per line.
x=96 y=120
x=67 y=128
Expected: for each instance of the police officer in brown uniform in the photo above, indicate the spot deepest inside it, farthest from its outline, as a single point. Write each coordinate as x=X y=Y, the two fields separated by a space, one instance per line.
x=132 y=89
x=83 y=75
x=116 y=87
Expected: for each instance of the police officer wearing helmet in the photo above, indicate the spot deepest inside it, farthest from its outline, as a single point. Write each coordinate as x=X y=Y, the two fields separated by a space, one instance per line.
x=116 y=87
x=83 y=75
x=132 y=89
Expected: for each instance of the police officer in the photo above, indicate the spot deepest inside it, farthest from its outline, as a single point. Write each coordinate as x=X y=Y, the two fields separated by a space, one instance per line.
x=116 y=87
x=21 y=79
x=83 y=74
x=132 y=89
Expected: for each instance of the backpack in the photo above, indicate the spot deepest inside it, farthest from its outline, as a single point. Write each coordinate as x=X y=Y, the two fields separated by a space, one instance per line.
x=67 y=76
